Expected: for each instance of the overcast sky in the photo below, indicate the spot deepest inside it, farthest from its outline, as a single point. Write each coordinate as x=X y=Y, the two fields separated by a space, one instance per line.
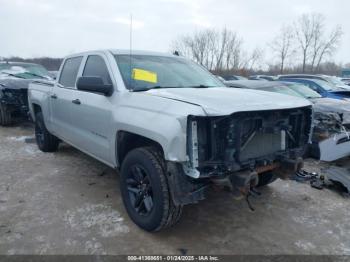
x=32 y=28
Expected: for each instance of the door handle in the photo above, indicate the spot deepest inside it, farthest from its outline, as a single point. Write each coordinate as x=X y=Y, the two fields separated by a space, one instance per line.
x=54 y=96
x=76 y=101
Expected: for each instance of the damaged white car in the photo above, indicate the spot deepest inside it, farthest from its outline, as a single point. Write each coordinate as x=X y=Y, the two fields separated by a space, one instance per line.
x=14 y=80
x=170 y=128
x=332 y=129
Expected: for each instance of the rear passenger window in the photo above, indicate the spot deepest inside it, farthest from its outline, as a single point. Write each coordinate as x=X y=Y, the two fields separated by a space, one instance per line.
x=70 y=71
x=96 y=66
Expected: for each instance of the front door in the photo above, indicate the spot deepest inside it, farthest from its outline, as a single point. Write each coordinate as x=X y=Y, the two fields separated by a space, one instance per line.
x=92 y=114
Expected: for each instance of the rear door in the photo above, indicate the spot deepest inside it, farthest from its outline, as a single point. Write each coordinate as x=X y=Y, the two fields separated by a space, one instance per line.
x=92 y=112
x=61 y=98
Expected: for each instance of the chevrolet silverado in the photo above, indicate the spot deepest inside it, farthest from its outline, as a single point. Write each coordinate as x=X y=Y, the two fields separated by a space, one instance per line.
x=169 y=127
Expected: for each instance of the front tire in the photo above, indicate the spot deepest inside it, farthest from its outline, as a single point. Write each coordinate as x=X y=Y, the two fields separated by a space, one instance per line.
x=44 y=139
x=5 y=116
x=145 y=190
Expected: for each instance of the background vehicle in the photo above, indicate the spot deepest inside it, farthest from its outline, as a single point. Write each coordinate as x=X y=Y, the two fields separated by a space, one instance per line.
x=323 y=88
x=346 y=81
x=330 y=140
x=345 y=72
x=170 y=127
x=220 y=78
x=330 y=79
x=14 y=80
x=234 y=77
x=262 y=77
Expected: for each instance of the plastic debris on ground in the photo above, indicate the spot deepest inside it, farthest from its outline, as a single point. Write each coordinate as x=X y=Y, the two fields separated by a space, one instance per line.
x=334 y=178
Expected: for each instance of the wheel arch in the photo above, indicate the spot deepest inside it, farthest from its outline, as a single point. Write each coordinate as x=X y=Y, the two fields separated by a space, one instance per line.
x=35 y=108
x=127 y=141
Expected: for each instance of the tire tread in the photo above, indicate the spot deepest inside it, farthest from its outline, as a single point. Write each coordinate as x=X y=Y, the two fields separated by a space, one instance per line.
x=172 y=213
x=51 y=142
x=5 y=116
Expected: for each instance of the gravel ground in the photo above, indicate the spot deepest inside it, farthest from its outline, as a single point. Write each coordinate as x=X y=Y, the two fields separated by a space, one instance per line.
x=68 y=203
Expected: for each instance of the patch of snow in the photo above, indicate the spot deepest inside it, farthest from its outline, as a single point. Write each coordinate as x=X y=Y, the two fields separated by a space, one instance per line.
x=11 y=252
x=106 y=221
x=344 y=249
x=31 y=150
x=305 y=245
x=93 y=247
x=310 y=220
x=19 y=138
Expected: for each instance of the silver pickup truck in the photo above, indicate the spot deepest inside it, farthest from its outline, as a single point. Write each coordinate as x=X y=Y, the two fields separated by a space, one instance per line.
x=170 y=127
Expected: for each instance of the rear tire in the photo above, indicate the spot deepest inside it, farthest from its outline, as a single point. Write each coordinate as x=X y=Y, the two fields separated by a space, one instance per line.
x=5 y=116
x=145 y=190
x=266 y=178
x=44 y=139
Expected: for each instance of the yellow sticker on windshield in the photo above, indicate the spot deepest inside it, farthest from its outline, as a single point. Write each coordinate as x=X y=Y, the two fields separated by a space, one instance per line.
x=144 y=75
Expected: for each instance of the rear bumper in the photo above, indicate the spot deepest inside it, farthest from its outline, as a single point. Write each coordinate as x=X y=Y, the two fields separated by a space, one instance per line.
x=335 y=147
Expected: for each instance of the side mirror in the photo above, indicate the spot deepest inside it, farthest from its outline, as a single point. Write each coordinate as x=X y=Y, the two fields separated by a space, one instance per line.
x=94 y=84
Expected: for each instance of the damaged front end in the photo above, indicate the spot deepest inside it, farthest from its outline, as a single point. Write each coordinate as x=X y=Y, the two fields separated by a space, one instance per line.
x=235 y=150
x=15 y=101
x=14 y=98
x=331 y=134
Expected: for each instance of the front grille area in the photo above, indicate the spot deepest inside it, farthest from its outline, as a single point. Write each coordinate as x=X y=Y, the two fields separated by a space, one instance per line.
x=17 y=97
x=229 y=142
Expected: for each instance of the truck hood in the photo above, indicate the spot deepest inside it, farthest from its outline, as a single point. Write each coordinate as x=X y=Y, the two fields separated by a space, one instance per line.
x=225 y=101
x=14 y=83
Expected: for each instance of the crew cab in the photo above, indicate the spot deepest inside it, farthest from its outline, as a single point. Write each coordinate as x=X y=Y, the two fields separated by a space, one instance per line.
x=169 y=127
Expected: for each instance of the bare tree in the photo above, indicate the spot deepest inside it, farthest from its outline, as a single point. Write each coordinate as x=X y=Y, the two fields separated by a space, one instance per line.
x=318 y=32
x=253 y=60
x=313 y=41
x=305 y=28
x=233 y=52
x=282 y=46
x=217 y=50
x=329 y=45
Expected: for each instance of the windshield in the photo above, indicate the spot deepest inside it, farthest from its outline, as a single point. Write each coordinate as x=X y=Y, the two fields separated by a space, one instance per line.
x=282 y=90
x=327 y=85
x=29 y=71
x=143 y=72
x=334 y=80
x=304 y=91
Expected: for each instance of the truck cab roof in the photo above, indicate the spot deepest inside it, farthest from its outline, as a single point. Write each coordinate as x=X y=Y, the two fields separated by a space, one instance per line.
x=124 y=52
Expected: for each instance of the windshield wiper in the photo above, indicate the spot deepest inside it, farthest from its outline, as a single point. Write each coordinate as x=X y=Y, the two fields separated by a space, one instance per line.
x=200 y=86
x=313 y=97
x=33 y=74
x=154 y=87
x=9 y=74
x=161 y=87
